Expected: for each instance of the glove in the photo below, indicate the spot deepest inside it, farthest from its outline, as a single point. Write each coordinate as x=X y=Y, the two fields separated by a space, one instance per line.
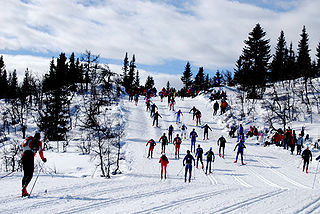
x=184 y=165
x=44 y=160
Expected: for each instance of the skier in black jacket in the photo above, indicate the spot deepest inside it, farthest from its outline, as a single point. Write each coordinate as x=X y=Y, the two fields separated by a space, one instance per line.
x=206 y=131
x=306 y=156
x=221 y=144
x=155 y=118
x=210 y=159
x=199 y=152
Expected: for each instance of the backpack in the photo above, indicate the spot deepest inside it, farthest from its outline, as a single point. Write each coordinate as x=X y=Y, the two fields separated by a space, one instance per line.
x=30 y=144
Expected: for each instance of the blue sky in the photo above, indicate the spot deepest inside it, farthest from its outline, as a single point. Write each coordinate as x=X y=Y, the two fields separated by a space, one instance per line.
x=163 y=34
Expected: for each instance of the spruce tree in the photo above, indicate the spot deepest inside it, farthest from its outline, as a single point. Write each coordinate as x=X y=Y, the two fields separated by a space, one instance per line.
x=318 y=60
x=137 y=80
x=13 y=85
x=149 y=83
x=279 y=62
x=290 y=71
x=199 y=80
x=304 y=59
x=131 y=74
x=253 y=64
x=3 y=79
x=125 y=69
x=186 y=77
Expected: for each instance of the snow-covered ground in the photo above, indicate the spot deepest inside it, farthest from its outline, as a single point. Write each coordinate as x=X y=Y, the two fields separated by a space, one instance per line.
x=271 y=182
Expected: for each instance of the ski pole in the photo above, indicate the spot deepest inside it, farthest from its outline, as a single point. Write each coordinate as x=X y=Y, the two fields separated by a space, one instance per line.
x=315 y=175
x=35 y=182
x=6 y=175
x=299 y=164
x=180 y=171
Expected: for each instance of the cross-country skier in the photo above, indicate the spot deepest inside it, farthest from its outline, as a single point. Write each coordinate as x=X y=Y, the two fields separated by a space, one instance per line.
x=221 y=143
x=172 y=102
x=206 y=131
x=31 y=145
x=156 y=118
x=148 y=103
x=164 y=141
x=306 y=156
x=193 y=136
x=164 y=162
x=187 y=162
x=193 y=110
x=179 y=114
x=136 y=98
x=198 y=116
x=153 y=109
x=152 y=145
x=170 y=132
x=299 y=144
x=210 y=159
x=215 y=108
x=240 y=146
x=199 y=153
x=177 y=142
x=183 y=131
x=241 y=130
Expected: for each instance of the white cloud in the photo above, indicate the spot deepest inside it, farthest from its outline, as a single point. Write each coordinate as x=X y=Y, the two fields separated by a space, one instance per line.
x=208 y=33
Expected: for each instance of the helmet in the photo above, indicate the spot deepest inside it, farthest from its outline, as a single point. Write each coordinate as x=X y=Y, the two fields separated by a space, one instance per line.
x=37 y=135
x=210 y=148
x=188 y=151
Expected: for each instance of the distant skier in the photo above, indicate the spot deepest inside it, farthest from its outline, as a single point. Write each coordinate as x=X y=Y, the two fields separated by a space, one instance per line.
x=299 y=144
x=153 y=109
x=152 y=145
x=156 y=119
x=177 y=142
x=170 y=132
x=240 y=146
x=164 y=162
x=206 y=131
x=31 y=145
x=136 y=98
x=221 y=143
x=164 y=141
x=194 y=111
x=241 y=131
x=172 y=102
x=199 y=153
x=210 y=159
x=193 y=136
x=187 y=162
x=148 y=104
x=198 y=116
x=215 y=108
x=183 y=131
x=179 y=114
x=306 y=156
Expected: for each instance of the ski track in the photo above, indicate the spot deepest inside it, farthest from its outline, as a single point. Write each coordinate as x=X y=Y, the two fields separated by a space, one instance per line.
x=241 y=181
x=250 y=201
x=311 y=207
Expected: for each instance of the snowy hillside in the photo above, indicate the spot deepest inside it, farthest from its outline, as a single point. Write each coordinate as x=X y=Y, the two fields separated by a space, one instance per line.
x=272 y=180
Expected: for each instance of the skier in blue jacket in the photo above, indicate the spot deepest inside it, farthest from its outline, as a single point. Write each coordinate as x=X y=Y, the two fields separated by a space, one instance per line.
x=187 y=162
x=193 y=136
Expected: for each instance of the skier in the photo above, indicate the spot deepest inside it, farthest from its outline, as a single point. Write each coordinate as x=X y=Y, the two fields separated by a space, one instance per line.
x=156 y=118
x=179 y=113
x=221 y=145
x=299 y=144
x=198 y=116
x=210 y=159
x=31 y=145
x=293 y=141
x=136 y=98
x=215 y=108
x=170 y=130
x=177 y=142
x=152 y=145
x=206 y=131
x=172 y=102
x=306 y=156
x=194 y=110
x=240 y=146
x=164 y=162
x=164 y=141
x=183 y=131
x=187 y=162
x=193 y=136
x=153 y=109
x=241 y=130
x=199 y=153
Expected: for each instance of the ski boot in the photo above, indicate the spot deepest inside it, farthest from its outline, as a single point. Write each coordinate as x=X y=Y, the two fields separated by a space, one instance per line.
x=24 y=191
x=223 y=156
x=235 y=161
x=303 y=169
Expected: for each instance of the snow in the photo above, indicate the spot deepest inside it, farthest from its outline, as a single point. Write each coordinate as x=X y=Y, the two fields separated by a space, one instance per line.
x=272 y=180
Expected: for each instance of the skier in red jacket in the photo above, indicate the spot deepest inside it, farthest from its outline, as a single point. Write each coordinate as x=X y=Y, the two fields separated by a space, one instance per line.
x=177 y=142
x=164 y=162
x=31 y=145
x=152 y=145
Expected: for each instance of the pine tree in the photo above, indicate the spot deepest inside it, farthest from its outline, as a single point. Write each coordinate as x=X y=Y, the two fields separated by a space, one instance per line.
x=318 y=60
x=290 y=71
x=304 y=59
x=279 y=61
x=137 y=80
x=217 y=79
x=149 y=83
x=253 y=63
x=3 y=79
x=168 y=86
x=125 y=69
x=186 y=77
x=199 y=80
x=131 y=74
x=13 y=85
